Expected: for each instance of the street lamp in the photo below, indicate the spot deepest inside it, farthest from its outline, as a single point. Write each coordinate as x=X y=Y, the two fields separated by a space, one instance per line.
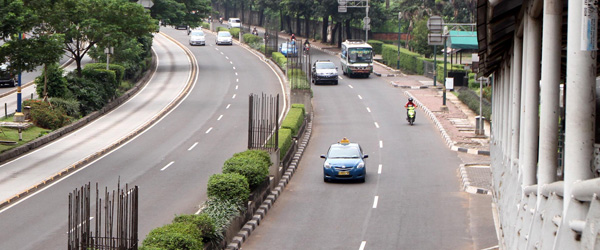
x=399 y=34
x=108 y=51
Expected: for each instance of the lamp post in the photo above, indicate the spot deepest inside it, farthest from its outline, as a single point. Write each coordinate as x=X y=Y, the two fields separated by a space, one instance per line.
x=399 y=34
x=19 y=116
x=108 y=51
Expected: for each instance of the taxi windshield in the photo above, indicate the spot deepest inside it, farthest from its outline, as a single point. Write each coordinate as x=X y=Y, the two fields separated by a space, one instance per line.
x=325 y=66
x=344 y=152
x=360 y=55
x=197 y=33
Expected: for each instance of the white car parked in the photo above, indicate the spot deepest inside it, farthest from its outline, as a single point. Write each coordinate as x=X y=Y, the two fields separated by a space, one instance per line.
x=224 y=37
x=234 y=22
x=197 y=37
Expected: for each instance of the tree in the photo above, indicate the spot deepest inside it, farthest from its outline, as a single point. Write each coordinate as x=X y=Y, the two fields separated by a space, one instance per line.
x=181 y=12
x=86 y=23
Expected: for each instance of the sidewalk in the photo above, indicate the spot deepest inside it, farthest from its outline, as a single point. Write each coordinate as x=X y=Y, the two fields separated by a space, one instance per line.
x=456 y=124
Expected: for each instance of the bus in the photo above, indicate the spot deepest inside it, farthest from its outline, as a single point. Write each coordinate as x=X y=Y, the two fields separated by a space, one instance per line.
x=357 y=58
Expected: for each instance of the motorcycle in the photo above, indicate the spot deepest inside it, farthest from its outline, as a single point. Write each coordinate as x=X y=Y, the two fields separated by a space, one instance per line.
x=306 y=47
x=411 y=114
x=255 y=32
x=221 y=20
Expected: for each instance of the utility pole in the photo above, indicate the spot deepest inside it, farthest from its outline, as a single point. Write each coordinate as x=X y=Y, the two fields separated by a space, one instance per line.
x=345 y=4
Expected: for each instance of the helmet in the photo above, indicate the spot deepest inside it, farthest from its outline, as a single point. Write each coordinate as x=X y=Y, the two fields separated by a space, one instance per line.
x=410 y=99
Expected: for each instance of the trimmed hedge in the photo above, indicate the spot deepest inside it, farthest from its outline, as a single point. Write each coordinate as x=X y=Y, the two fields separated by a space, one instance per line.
x=219 y=28
x=235 y=32
x=293 y=120
x=118 y=69
x=299 y=106
x=231 y=186
x=254 y=171
x=260 y=156
x=252 y=39
x=285 y=141
x=471 y=99
x=175 y=236
x=377 y=46
x=69 y=106
x=105 y=78
x=279 y=59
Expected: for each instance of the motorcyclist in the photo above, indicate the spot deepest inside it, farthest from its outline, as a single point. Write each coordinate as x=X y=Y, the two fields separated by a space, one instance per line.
x=293 y=39
x=306 y=45
x=410 y=103
x=255 y=32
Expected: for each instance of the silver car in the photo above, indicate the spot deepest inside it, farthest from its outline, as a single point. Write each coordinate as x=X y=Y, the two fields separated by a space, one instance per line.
x=197 y=37
x=224 y=37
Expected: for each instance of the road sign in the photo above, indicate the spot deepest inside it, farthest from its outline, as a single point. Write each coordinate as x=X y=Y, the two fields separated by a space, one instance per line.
x=435 y=39
x=342 y=2
x=342 y=9
x=435 y=24
x=146 y=3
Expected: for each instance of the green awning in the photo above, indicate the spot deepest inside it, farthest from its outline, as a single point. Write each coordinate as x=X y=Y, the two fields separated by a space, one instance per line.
x=463 y=40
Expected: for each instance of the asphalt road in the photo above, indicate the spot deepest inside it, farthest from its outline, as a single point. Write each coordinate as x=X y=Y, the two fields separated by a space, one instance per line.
x=411 y=199
x=171 y=162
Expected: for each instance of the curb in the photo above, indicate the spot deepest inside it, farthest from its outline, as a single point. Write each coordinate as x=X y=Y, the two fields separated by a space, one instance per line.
x=467 y=182
x=251 y=225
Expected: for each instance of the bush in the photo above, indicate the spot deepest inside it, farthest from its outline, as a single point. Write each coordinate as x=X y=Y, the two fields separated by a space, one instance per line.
x=235 y=32
x=56 y=85
x=205 y=25
x=293 y=120
x=205 y=224
x=69 y=106
x=299 y=106
x=221 y=211
x=279 y=59
x=377 y=46
x=260 y=156
x=104 y=78
x=175 y=236
x=254 y=171
x=285 y=141
x=45 y=116
x=88 y=93
x=251 y=39
x=118 y=69
x=230 y=186
x=219 y=28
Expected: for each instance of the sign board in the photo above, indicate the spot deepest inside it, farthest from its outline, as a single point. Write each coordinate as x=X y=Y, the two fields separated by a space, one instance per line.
x=342 y=9
x=450 y=83
x=342 y=2
x=435 y=24
x=435 y=39
x=589 y=25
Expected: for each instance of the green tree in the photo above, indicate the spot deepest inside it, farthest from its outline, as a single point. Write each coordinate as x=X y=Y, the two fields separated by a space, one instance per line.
x=87 y=23
x=419 y=42
x=181 y=12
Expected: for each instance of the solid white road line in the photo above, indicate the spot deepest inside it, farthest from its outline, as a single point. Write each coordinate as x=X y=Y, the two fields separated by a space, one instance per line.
x=193 y=146
x=362 y=245
x=208 y=131
x=221 y=116
x=359 y=97
x=168 y=165
x=376 y=125
x=375 y=201
x=379 y=170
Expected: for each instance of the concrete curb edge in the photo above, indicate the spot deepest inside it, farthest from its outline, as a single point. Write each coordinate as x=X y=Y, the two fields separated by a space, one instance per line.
x=466 y=182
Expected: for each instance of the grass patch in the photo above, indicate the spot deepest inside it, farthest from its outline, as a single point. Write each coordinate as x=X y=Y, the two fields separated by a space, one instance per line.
x=12 y=135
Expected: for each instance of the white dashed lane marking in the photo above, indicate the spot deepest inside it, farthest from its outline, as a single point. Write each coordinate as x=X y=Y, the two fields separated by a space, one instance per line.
x=362 y=245
x=380 y=144
x=375 y=201
x=350 y=86
x=233 y=97
x=221 y=116
x=228 y=105
x=368 y=109
x=376 y=125
x=359 y=97
x=168 y=165
x=380 y=168
x=208 y=131
x=193 y=146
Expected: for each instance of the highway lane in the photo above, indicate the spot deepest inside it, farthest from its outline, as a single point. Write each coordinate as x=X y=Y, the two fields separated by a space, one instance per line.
x=412 y=197
x=171 y=162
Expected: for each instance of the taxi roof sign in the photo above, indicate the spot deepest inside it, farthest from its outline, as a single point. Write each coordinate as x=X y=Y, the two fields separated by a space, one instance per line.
x=345 y=141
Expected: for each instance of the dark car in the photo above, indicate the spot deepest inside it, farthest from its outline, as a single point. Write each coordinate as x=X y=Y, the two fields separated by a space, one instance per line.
x=6 y=78
x=345 y=161
x=324 y=71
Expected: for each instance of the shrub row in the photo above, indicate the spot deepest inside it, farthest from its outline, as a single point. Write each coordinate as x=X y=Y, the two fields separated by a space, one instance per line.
x=280 y=59
x=45 y=116
x=471 y=99
x=289 y=128
x=298 y=79
x=412 y=62
x=252 y=39
x=377 y=46
x=235 y=32
x=219 y=28
x=227 y=192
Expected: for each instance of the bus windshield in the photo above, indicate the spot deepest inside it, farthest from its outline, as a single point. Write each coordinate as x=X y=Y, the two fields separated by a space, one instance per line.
x=360 y=55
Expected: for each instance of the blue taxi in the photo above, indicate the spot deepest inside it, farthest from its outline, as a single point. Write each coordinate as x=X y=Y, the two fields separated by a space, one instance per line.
x=344 y=161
